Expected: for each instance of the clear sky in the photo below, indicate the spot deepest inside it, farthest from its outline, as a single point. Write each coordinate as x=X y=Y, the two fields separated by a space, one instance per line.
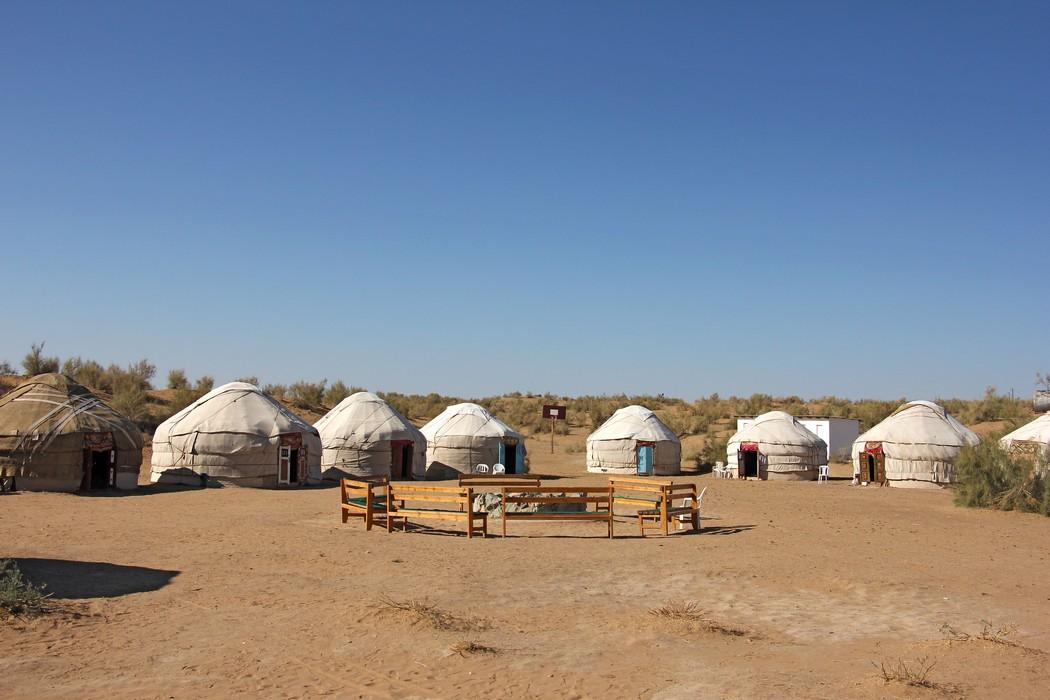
x=471 y=198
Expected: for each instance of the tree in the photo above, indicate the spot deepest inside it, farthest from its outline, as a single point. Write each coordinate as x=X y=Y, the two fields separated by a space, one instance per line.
x=205 y=384
x=336 y=393
x=36 y=363
x=177 y=379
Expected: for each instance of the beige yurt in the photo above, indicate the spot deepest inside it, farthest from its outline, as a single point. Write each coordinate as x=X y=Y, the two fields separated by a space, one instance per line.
x=236 y=434
x=634 y=441
x=55 y=435
x=915 y=447
x=776 y=446
x=1030 y=439
x=364 y=436
x=466 y=435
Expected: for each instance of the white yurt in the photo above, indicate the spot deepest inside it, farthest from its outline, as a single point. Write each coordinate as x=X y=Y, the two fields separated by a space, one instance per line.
x=236 y=434
x=1031 y=438
x=465 y=435
x=634 y=441
x=364 y=436
x=915 y=447
x=776 y=446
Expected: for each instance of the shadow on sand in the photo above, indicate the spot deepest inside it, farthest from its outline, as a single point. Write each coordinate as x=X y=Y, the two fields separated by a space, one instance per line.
x=72 y=580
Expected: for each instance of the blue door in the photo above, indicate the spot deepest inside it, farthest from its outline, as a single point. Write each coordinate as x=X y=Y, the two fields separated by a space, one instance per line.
x=645 y=460
x=502 y=457
x=519 y=464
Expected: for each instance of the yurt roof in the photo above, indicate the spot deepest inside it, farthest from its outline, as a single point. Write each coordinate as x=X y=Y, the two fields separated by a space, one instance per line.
x=634 y=422
x=777 y=428
x=365 y=418
x=921 y=423
x=237 y=407
x=1037 y=430
x=467 y=420
x=54 y=404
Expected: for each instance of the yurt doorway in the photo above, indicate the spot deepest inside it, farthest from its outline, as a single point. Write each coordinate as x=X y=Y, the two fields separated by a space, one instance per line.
x=873 y=464
x=291 y=459
x=645 y=458
x=100 y=461
x=401 y=459
x=508 y=456
x=747 y=461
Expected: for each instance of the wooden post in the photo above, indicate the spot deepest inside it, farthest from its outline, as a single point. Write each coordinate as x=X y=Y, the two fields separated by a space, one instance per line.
x=553 y=419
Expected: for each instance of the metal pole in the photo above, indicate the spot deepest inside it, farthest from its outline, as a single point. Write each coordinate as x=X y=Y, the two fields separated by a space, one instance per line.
x=552 y=434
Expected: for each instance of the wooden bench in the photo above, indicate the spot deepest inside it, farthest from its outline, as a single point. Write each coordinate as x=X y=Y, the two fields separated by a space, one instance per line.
x=406 y=501
x=600 y=496
x=490 y=482
x=657 y=500
x=363 y=499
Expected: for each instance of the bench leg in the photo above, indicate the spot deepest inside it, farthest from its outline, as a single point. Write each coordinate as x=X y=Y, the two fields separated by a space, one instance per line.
x=345 y=514
x=503 y=520
x=470 y=526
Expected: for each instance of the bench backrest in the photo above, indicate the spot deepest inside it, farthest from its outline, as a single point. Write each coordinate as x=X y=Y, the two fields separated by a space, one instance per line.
x=354 y=488
x=601 y=495
x=487 y=481
x=430 y=494
x=657 y=487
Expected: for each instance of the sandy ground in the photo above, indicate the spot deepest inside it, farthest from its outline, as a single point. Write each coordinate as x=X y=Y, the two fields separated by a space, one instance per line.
x=189 y=594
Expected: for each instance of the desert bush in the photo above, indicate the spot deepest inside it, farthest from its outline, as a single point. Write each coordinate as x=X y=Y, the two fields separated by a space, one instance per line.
x=36 y=362
x=87 y=372
x=250 y=379
x=987 y=476
x=713 y=451
x=177 y=379
x=131 y=400
x=18 y=596
x=278 y=391
x=6 y=368
x=303 y=393
x=205 y=384
x=336 y=393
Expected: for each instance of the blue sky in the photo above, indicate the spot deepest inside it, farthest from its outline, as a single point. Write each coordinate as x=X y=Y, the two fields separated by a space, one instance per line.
x=471 y=198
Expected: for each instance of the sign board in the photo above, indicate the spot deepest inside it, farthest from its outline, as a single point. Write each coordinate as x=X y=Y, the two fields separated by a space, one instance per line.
x=553 y=412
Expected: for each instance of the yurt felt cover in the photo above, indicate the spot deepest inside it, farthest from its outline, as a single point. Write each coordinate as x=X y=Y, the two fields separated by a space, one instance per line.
x=45 y=421
x=787 y=447
x=613 y=447
x=231 y=433
x=464 y=435
x=357 y=434
x=920 y=441
x=1034 y=433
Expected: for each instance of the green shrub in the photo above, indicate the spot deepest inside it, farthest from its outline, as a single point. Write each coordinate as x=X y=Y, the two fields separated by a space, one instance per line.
x=36 y=363
x=307 y=394
x=18 y=596
x=177 y=379
x=987 y=476
x=205 y=384
x=336 y=393
x=6 y=368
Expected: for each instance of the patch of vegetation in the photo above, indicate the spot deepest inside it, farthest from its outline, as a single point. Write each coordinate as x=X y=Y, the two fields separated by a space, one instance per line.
x=914 y=673
x=19 y=597
x=988 y=476
x=35 y=362
x=472 y=648
x=422 y=612
x=993 y=634
x=693 y=615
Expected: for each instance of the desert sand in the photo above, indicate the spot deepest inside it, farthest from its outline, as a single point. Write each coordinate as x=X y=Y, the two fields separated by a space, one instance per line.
x=804 y=587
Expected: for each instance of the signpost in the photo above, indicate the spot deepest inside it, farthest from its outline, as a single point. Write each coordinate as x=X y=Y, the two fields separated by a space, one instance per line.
x=555 y=413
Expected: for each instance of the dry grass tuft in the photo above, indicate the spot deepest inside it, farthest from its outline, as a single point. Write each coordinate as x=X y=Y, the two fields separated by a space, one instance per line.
x=915 y=674
x=691 y=614
x=989 y=633
x=419 y=611
x=472 y=648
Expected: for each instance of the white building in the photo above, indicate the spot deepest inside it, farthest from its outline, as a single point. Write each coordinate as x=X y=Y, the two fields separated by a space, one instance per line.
x=838 y=433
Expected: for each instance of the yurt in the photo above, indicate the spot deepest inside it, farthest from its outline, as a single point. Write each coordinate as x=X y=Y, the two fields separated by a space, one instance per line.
x=236 y=434
x=915 y=447
x=55 y=435
x=776 y=446
x=634 y=441
x=466 y=435
x=1030 y=439
x=364 y=436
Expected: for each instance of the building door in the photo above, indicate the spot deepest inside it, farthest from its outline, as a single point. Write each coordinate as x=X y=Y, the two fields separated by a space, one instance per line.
x=645 y=460
x=284 y=464
x=293 y=466
x=747 y=461
x=102 y=473
x=508 y=457
x=873 y=467
x=400 y=459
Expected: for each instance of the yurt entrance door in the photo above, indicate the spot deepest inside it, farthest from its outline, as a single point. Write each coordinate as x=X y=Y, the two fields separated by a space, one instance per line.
x=100 y=461
x=509 y=454
x=401 y=459
x=873 y=464
x=291 y=459
x=747 y=460
x=644 y=451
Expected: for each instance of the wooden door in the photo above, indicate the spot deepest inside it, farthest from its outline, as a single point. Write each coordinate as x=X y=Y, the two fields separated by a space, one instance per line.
x=284 y=464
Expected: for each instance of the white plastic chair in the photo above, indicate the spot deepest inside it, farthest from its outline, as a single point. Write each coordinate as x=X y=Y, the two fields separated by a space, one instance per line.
x=719 y=470
x=822 y=473
x=499 y=469
x=683 y=518
x=481 y=469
